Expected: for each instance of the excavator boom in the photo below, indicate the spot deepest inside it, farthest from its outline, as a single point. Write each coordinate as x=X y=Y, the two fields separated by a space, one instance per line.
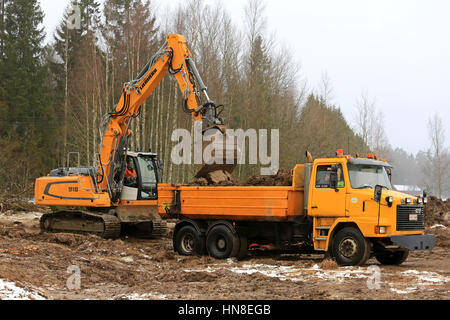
x=174 y=57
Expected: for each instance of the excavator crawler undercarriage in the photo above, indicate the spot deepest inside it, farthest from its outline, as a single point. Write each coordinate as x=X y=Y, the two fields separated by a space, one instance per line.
x=104 y=225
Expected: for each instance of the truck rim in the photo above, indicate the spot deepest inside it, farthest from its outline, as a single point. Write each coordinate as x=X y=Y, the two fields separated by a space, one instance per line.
x=221 y=244
x=348 y=247
x=188 y=242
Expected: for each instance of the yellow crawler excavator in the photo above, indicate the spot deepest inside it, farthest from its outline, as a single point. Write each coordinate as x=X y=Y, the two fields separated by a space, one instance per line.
x=111 y=202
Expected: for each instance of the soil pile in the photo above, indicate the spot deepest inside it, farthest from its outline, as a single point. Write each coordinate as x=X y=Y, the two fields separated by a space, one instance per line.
x=12 y=205
x=282 y=178
x=437 y=211
x=215 y=178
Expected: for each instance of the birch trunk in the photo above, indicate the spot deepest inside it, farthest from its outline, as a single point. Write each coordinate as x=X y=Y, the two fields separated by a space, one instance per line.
x=152 y=120
x=166 y=136
x=174 y=123
x=66 y=89
x=158 y=116
x=87 y=121
x=161 y=118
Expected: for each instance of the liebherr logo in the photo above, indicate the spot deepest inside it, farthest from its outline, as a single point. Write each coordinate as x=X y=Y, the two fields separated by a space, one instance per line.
x=148 y=79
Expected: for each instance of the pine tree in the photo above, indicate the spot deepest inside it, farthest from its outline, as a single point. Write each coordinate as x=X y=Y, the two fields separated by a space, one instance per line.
x=26 y=112
x=77 y=72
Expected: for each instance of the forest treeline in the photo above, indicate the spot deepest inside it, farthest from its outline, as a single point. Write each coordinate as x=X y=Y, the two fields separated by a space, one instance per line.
x=53 y=95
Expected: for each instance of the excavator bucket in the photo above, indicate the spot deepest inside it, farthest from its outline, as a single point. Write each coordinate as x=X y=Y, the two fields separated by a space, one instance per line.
x=220 y=154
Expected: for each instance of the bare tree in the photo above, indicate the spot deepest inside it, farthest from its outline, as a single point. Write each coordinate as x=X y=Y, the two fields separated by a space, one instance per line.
x=326 y=88
x=369 y=122
x=438 y=157
x=255 y=19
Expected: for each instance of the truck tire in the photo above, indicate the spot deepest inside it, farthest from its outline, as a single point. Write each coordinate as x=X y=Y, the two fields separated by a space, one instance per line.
x=189 y=242
x=350 y=248
x=392 y=257
x=221 y=243
x=243 y=247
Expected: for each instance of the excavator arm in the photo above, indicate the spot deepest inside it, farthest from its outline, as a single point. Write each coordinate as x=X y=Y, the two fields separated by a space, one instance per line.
x=174 y=58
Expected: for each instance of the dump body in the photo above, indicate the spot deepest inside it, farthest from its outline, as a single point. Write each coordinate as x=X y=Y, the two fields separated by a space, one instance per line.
x=243 y=203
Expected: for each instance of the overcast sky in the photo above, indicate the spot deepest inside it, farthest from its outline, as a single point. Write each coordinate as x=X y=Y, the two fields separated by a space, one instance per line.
x=396 y=51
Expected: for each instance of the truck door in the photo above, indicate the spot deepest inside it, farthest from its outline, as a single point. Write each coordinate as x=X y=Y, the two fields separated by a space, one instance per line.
x=327 y=201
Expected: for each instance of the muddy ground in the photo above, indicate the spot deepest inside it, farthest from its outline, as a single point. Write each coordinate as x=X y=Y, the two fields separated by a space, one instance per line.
x=35 y=266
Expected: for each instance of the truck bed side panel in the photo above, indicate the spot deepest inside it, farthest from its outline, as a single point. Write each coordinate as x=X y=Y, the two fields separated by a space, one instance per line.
x=234 y=203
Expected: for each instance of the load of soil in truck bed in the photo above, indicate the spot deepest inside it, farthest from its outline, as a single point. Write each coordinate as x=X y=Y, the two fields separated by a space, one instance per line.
x=282 y=178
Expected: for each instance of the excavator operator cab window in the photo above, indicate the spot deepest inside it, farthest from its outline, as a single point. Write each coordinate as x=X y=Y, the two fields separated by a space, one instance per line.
x=130 y=174
x=148 y=178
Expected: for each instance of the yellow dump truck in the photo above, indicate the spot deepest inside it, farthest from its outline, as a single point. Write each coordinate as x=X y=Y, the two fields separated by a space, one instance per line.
x=342 y=206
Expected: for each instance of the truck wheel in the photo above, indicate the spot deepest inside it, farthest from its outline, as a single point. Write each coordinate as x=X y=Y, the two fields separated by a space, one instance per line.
x=392 y=257
x=221 y=243
x=350 y=248
x=188 y=241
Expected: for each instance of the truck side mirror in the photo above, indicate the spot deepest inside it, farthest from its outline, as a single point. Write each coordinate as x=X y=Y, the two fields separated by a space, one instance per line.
x=377 y=193
x=160 y=164
x=389 y=173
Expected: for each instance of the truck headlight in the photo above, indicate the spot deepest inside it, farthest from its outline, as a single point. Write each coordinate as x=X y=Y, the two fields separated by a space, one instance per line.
x=389 y=200
x=419 y=200
x=425 y=200
x=408 y=200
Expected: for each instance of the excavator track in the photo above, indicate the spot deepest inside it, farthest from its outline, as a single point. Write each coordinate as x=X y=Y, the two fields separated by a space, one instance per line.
x=82 y=222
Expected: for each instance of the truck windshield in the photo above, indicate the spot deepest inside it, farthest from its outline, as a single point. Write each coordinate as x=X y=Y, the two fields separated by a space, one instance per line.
x=368 y=176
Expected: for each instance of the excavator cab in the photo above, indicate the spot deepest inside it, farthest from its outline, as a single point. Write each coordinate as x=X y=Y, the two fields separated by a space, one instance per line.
x=141 y=177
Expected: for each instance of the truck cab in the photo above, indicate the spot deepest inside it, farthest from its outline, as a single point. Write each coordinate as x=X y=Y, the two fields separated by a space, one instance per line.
x=356 y=211
x=342 y=206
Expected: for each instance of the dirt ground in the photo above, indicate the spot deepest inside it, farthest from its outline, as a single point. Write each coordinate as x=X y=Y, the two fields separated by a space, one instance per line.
x=40 y=266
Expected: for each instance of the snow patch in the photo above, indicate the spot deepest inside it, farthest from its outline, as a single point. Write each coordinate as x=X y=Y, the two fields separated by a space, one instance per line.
x=291 y=273
x=409 y=281
x=405 y=291
x=144 y=296
x=427 y=277
x=9 y=291
x=438 y=226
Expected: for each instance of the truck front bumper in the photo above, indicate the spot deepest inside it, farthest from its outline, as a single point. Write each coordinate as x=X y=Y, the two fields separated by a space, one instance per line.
x=414 y=242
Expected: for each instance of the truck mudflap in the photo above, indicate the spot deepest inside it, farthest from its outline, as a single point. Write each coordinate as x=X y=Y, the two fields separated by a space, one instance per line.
x=414 y=242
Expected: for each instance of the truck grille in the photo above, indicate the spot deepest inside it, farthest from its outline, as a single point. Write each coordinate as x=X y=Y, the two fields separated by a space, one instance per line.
x=406 y=215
